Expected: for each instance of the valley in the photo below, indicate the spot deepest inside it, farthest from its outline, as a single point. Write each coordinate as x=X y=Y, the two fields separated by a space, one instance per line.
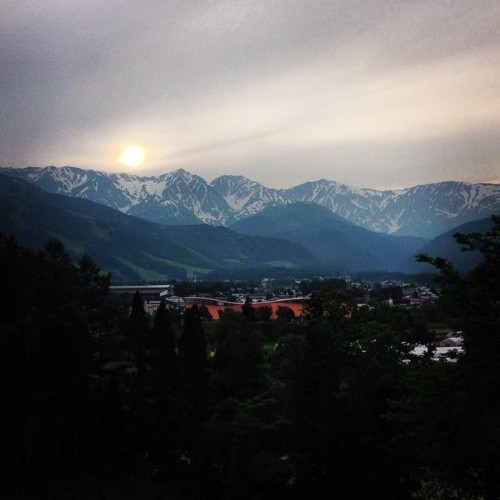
x=178 y=227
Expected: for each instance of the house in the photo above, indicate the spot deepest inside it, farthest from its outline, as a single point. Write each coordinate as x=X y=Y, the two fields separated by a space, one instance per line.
x=452 y=342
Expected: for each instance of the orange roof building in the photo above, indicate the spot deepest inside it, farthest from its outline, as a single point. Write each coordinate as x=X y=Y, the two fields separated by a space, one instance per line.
x=215 y=305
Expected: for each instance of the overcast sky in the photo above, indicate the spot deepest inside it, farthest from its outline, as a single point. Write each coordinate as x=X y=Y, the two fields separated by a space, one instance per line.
x=371 y=93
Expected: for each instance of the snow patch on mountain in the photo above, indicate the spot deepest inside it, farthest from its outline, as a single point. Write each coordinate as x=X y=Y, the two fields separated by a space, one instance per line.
x=180 y=197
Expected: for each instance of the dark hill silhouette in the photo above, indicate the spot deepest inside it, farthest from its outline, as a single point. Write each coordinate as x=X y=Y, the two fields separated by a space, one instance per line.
x=134 y=249
x=445 y=246
x=331 y=237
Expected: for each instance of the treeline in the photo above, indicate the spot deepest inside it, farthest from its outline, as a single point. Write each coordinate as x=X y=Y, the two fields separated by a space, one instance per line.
x=100 y=401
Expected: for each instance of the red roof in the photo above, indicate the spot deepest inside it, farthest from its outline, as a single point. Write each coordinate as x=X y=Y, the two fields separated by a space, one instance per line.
x=214 y=305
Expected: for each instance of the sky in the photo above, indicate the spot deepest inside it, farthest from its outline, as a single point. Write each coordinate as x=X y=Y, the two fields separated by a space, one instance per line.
x=380 y=94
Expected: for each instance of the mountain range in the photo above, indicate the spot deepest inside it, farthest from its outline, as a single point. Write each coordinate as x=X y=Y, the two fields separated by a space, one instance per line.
x=134 y=249
x=275 y=237
x=180 y=198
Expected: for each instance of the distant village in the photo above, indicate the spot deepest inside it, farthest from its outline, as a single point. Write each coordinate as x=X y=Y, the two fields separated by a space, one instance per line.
x=273 y=300
x=269 y=294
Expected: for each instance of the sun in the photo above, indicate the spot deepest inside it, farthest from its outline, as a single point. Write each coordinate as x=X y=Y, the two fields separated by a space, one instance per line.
x=132 y=156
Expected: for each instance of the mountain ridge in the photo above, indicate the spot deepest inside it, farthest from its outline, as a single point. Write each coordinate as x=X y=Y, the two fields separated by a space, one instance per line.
x=297 y=239
x=332 y=238
x=134 y=249
x=179 y=197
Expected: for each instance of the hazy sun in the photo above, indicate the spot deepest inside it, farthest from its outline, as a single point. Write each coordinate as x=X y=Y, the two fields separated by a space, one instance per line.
x=132 y=156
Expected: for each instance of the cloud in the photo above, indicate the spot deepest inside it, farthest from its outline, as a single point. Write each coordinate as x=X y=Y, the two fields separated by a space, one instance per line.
x=274 y=90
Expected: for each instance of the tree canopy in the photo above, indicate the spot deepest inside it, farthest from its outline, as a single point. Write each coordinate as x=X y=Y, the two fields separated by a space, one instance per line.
x=103 y=400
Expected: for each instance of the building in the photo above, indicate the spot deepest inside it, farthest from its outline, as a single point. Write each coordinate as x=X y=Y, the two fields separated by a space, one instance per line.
x=215 y=305
x=151 y=294
x=148 y=292
x=452 y=342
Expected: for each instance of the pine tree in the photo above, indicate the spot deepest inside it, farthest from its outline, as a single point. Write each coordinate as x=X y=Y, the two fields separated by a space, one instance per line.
x=164 y=348
x=248 y=310
x=138 y=337
x=238 y=360
x=164 y=394
x=194 y=373
x=193 y=353
x=45 y=334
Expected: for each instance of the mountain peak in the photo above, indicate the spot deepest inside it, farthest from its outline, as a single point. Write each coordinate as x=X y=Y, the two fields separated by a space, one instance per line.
x=180 y=197
x=232 y=181
x=180 y=172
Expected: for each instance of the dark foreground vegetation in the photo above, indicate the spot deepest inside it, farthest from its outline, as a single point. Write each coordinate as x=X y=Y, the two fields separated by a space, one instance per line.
x=101 y=402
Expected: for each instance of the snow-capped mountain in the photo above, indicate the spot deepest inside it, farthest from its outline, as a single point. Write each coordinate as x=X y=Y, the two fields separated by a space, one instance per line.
x=246 y=197
x=173 y=198
x=182 y=198
x=426 y=210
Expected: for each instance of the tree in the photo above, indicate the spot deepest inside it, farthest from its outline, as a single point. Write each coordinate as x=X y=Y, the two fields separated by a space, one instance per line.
x=165 y=376
x=138 y=332
x=94 y=285
x=205 y=313
x=264 y=313
x=193 y=350
x=329 y=305
x=248 y=310
x=164 y=348
x=474 y=301
x=46 y=363
x=341 y=381
x=238 y=360
x=244 y=441
x=193 y=366
x=285 y=314
x=245 y=450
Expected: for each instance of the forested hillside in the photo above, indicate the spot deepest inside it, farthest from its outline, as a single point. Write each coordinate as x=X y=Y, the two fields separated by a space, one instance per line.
x=133 y=249
x=180 y=197
x=339 y=242
x=102 y=401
